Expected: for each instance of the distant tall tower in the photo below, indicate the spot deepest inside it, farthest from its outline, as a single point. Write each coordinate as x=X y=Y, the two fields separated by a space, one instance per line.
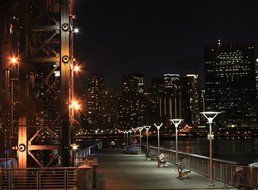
x=191 y=99
x=133 y=83
x=100 y=111
x=157 y=86
x=230 y=82
x=132 y=101
x=95 y=100
x=171 y=103
x=157 y=93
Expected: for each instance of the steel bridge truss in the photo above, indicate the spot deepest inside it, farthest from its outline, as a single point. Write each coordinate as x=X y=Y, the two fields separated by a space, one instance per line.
x=42 y=30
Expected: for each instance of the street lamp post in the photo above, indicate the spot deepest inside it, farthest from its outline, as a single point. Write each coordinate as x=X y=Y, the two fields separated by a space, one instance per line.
x=176 y=122
x=130 y=133
x=210 y=117
x=74 y=148
x=134 y=133
x=158 y=127
x=147 y=136
x=124 y=136
x=140 y=129
x=126 y=132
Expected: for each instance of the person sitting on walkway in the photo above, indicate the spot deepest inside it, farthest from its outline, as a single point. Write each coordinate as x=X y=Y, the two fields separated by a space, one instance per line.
x=182 y=172
x=161 y=160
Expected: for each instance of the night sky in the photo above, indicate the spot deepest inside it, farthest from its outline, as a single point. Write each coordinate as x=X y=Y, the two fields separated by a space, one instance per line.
x=157 y=37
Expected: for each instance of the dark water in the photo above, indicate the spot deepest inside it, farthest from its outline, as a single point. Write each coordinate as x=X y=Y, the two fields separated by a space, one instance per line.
x=241 y=150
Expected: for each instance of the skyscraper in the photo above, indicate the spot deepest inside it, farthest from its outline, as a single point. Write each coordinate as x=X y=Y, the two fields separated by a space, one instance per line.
x=100 y=104
x=131 y=104
x=230 y=82
x=133 y=83
x=171 y=103
x=156 y=96
x=191 y=99
x=157 y=86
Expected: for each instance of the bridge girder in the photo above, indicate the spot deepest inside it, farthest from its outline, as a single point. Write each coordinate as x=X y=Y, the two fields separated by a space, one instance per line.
x=43 y=33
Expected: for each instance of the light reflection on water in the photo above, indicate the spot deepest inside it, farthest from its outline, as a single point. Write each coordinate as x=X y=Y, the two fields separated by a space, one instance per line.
x=242 y=150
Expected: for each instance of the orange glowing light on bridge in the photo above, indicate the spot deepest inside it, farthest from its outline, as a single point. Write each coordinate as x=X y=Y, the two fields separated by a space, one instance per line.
x=13 y=60
x=76 y=68
x=75 y=105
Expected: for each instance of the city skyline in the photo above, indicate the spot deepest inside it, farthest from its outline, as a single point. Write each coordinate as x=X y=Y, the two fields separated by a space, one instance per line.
x=147 y=80
x=230 y=88
x=85 y=84
x=169 y=96
x=157 y=38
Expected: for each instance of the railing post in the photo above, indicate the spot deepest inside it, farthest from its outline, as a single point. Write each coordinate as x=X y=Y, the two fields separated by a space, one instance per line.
x=221 y=165
x=1 y=179
x=10 y=179
x=251 y=177
x=207 y=162
x=202 y=167
x=66 y=179
x=214 y=169
x=225 y=175
x=231 y=174
x=38 y=179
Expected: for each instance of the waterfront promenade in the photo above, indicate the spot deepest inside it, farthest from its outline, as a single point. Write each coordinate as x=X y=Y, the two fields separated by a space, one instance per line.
x=118 y=171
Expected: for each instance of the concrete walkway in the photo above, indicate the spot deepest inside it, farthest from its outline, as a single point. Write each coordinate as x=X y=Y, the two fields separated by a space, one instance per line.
x=118 y=171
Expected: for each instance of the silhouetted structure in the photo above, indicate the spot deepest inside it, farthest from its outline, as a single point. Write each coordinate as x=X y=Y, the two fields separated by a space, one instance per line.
x=101 y=106
x=191 y=99
x=131 y=105
x=230 y=82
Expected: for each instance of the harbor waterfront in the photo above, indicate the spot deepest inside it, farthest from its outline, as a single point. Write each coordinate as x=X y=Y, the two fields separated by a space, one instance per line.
x=240 y=149
x=243 y=150
x=116 y=95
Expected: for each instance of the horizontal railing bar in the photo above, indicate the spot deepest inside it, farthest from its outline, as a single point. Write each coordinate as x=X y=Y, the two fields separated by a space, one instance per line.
x=195 y=155
x=52 y=183
x=42 y=168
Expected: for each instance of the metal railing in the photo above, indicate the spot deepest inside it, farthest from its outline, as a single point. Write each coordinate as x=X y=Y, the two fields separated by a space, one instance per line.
x=38 y=178
x=230 y=173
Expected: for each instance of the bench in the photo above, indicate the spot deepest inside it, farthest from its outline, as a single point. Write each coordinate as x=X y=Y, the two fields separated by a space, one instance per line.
x=151 y=155
x=132 y=150
x=182 y=172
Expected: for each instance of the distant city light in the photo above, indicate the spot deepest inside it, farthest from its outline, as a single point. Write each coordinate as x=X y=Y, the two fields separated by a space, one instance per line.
x=219 y=42
x=74 y=146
